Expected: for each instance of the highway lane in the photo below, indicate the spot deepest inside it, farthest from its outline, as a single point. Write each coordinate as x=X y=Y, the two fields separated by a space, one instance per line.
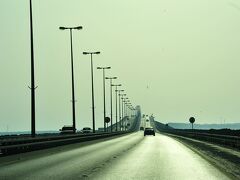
x=66 y=162
x=129 y=157
x=160 y=157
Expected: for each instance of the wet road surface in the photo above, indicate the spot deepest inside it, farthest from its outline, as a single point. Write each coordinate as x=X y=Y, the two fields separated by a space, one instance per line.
x=128 y=157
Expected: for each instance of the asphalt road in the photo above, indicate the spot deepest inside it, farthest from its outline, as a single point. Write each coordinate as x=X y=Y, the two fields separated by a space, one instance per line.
x=128 y=157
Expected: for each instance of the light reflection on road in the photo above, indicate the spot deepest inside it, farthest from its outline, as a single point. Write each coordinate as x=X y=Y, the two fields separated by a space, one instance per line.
x=129 y=157
x=160 y=157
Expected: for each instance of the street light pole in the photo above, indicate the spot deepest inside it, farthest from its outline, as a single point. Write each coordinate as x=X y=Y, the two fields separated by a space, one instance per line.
x=128 y=104
x=104 y=95
x=126 y=115
x=126 y=108
x=130 y=111
x=111 y=78
x=122 y=113
x=33 y=130
x=73 y=92
x=93 y=106
x=123 y=101
x=116 y=104
x=125 y=112
x=119 y=94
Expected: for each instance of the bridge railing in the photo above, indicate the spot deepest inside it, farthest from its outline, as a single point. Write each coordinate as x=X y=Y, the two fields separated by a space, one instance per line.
x=13 y=146
x=17 y=146
x=226 y=140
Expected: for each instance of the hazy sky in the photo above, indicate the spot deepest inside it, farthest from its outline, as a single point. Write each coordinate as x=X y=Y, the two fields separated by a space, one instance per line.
x=175 y=58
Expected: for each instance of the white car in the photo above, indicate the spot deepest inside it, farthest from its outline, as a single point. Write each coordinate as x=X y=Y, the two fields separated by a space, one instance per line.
x=67 y=130
x=87 y=130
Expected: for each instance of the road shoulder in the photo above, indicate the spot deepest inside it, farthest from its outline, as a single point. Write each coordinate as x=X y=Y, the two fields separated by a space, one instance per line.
x=225 y=159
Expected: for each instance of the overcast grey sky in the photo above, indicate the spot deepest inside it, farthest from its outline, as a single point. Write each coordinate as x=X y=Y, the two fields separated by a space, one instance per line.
x=175 y=59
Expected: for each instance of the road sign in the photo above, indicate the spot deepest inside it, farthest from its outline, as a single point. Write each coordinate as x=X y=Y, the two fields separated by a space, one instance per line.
x=192 y=120
x=107 y=119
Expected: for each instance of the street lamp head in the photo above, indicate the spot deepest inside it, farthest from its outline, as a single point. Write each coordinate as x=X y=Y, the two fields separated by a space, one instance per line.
x=119 y=91
x=99 y=68
x=91 y=52
x=62 y=28
x=106 y=67
x=116 y=85
x=111 y=78
x=78 y=27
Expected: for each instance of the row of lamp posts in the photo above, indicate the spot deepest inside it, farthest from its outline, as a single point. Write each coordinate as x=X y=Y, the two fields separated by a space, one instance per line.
x=118 y=92
x=121 y=115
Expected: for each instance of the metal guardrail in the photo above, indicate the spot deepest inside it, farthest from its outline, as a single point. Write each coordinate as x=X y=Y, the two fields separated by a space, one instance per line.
x=26 y=144
x=231 y=141
x=29 y=139
x=13 y=147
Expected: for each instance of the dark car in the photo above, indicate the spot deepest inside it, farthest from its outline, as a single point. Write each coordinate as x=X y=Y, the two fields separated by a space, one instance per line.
x=67 y=130
x=141 y=128
x=149 y=131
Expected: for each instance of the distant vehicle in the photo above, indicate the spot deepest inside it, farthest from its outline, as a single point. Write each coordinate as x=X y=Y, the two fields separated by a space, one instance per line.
x=147 y=120
x=87 y=130
x=101 y=129
x=149 y=131
x=141 y=128
x=67 y=130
